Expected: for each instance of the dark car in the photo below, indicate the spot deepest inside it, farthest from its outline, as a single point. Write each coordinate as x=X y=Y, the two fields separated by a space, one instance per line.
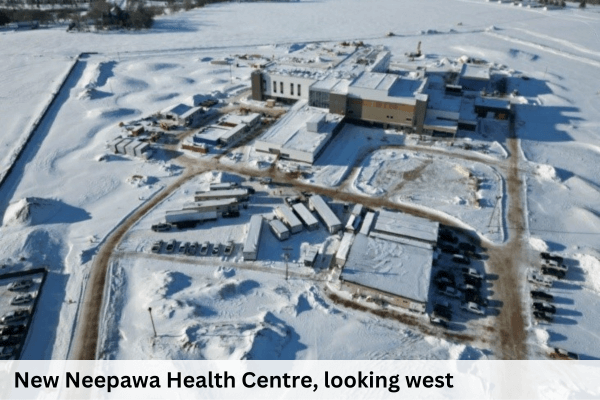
x=12 y=330
x=547 y=308
x=446 y=248
x=553 y=272
x=445 y=274
x=467 y=247
x=539 y=295
x=441 y=282
x=231 y=214
x=9 y=340
x=548 y=256
x=542 y=316
x=470 y=280
x=161 y=227
x=448 y=237
x=461 y=259
x=472 y=296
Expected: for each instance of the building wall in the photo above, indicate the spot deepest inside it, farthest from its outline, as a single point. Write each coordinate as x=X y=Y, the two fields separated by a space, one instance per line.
x=382 y=112
x=338 y=103
x=420 y=111
x=392 y=299
x=269 y=81
x=257 y=89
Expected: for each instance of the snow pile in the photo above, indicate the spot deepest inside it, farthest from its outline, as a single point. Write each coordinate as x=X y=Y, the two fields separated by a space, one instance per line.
x=30 y=211
x=542 y=336
x=591 y=267
x=538 y=244
x=547 y=172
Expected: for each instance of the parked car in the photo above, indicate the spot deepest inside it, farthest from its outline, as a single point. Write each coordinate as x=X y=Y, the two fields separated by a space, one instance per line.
x=443 y=314
x=450 y=291
x=161 y=227
x=468 y=247
x=192 y=249
x=539 y=295
x=183 y=247
x=438 y=321
x=542 y=316
x=554 y=264
x=461 y=259
x=21 y=299
x=471 y=272
x=9 y=340
x=553 y=272
x=538 y=279
x=564 y=353
x=216 y=249
x=231 y=214
x=204 y=248
x=20 y=285
x=446 y=248
x=469 y=280
x=473 y=308
x=170 y=246
x=228 y=248
x=548 y=256
x=448 y=237
x=14 y=316
x=473 y=296
x=544 y=307
x=157 y=246
x=6 y=352
x=12 y=329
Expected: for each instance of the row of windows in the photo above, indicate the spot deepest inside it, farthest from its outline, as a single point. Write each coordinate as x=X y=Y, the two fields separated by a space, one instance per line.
x=281 y=88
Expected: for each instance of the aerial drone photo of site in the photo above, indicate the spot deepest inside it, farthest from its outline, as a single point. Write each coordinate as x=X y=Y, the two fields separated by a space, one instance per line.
x=300 y=180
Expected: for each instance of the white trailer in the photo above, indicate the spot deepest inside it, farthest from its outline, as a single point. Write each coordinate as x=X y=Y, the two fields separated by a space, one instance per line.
x=306 y=216
x=220 y=206
x=250 y=250
x=240 y=194
x=367 y=223
x=174 y=217
x=350 y=224
x=332 y=222
x=344 y=249
x=286 y=215
x=279 y=229
x=357 y=209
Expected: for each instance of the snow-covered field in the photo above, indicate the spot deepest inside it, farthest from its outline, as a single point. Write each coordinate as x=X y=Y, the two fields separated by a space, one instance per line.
x=79 y=199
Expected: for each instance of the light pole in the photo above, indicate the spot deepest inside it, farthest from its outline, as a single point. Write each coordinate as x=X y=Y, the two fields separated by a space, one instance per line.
x=286 y=257
x=152 y=319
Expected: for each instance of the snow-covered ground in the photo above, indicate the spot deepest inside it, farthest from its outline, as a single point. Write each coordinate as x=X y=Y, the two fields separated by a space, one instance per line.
x=81 y=199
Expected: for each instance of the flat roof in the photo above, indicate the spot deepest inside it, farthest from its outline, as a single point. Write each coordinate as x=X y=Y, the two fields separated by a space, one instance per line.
x=375 y=81
x=492 y=103
x=212 y=133
x=401 y=224
x=240 y=119
x=395 y=268
x=475 y=71
x=305 y=214
x=467 y=110
x=177 y=109
x=253 y=237
x=323 y=209
x=290 y=131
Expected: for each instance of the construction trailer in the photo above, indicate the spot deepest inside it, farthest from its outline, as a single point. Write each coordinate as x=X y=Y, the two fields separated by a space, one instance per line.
x=219 y=206
x=250 y=250
x=129 y=146
x=306 y=216
x=285 y=214
x=357 y=209
x=344 y=249
x=367 y=223
x=279 y=229
x=316 y=203
x=179 y=216
x=353 y=223
x=240 y=194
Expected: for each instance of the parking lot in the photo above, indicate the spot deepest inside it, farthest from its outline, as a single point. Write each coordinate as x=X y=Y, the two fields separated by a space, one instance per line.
x=18 y=299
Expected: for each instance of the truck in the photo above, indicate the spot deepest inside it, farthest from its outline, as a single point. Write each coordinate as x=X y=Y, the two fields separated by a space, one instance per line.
x=189 y=216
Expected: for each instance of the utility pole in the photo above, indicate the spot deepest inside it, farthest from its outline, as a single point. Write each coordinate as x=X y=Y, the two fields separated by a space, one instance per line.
x=152 y=319
x=286 y=257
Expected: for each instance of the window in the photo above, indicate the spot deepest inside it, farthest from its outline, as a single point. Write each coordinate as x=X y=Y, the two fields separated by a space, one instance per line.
x=299 y=93
x=274 y=86
x=291 y=89
x=281 y=87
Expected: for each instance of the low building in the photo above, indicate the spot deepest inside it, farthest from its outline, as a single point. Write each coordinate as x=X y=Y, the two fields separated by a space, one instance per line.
x=286 y=215
x=396 y=273
x=301 y=135
x=365 y=228
x=220 y=206
x=474 y=77
x=240 y=194
x=184 y=114
x=500 y=108
x=329 y=218
x=251 y=244
x=306 y=216
x=130 y=146
x=310 y=256
x=280 y=231
x=344 y=249
x=406 y=226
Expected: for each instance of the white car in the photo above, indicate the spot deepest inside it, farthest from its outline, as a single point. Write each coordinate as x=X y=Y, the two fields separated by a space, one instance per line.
x=228 y=248
x=21 y=299
x=471 y=272
x=473 y=308
x=20 y=285
x=538 y=279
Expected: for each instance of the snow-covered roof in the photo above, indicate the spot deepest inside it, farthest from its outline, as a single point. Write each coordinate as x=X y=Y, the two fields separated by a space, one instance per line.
x=492 y=103
x=395 y=268
x=177 y=109
x=475 y=71
x=290 y=132
x=401 y=224
x=375 y=81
